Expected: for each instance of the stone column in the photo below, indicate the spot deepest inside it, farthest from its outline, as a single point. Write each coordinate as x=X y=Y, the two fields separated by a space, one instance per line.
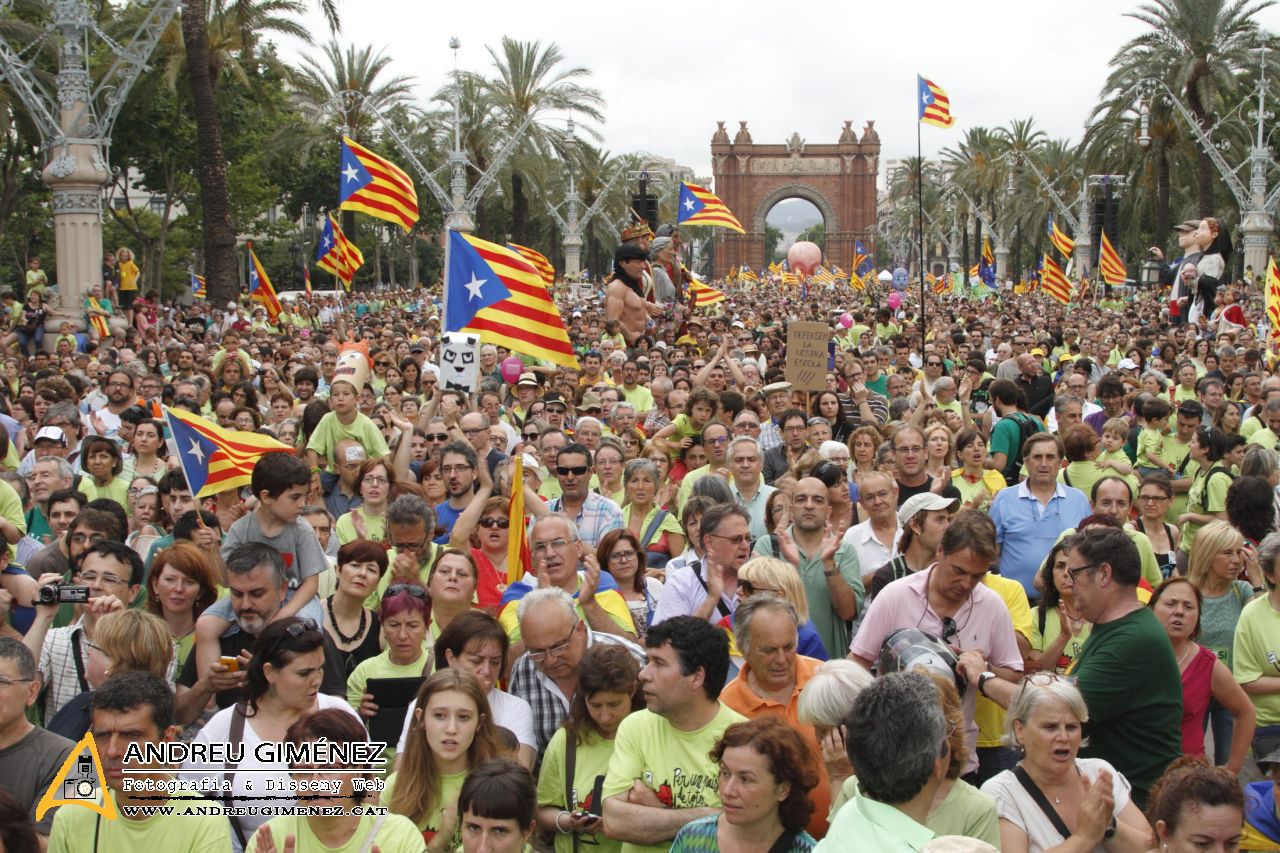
x=1002 y=259
x=572 y=254
x=1257 y=226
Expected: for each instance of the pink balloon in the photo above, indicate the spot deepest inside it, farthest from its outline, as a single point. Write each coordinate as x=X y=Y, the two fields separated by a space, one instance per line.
x=846 y=320
x=511 y=369
x=895 y=300
x=804 y=257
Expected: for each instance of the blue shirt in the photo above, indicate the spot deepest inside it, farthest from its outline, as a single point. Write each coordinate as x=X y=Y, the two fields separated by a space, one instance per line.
x=446 y=517
x=1026 y=530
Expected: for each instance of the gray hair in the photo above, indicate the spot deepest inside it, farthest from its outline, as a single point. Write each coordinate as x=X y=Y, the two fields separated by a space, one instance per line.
x=894 y=735
x=744 y=439
x=411 y=509
x=245 y=558
x=658 y=244
x=1259 y=461
x=568 y=523
x=1063 y=400
x=63 y=409
x=1032 y=696
x=1268 y=551
x=746 y=611
x=831 y=691
x=587 y=421
x=639 y=466
x=14 y=650
x=713 y=487
x=549 y=596
x=65 y=470
x=623 y=404
x=1160 y=378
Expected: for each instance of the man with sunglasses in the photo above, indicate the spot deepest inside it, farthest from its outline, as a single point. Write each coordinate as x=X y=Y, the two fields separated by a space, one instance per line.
x=1126 y=670
x=950 y=601
x=593 y=514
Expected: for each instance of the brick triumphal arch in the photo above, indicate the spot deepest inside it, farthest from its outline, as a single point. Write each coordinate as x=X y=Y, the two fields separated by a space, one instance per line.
x=839 y=179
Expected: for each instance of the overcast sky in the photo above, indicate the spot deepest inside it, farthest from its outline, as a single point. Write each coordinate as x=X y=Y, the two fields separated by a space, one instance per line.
x=668 y=72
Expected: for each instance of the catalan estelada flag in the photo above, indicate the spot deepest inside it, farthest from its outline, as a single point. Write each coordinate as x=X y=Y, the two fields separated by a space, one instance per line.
x=748 y=274
x=933 y=104
x=97 y=321
x=540 y=263
x=1109 y=263
x=375 y=186
x=1054 y=281
x=702 y=207
x=1066 y=245
x=1273 y=300
x=260 y=289
x=704 y=294
x=306 y=276
x=216 y=459
x=198 y=290
x=337 y=254
x=493 y=291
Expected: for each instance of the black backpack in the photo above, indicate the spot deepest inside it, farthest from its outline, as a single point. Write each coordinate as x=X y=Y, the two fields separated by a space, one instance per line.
x=1027 y=427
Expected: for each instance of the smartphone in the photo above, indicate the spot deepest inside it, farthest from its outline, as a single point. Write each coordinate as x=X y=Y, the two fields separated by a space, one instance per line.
x=232 y=664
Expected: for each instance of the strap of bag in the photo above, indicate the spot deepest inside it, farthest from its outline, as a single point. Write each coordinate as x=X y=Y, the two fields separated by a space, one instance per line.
x=570 y=766
x=652 y=528
x=696 y=566
x=1042 y=801
x=784 y=842
x=367 y=844
x=75 y=656
x=234 y=736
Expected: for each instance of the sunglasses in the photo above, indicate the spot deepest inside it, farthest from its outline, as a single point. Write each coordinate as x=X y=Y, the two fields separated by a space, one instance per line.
x=500 y=523
x=438 y=436
x=576 y=470
x=411 y=588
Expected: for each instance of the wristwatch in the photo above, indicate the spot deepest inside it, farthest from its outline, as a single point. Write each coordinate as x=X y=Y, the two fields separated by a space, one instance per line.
x=982 y=682
x=1110 y=831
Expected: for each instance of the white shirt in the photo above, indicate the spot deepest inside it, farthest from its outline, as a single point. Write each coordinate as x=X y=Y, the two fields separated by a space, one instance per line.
x=872 y=554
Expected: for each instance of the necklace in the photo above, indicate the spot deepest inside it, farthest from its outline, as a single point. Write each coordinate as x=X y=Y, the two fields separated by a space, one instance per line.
x=337 y=629
x=1190 y=648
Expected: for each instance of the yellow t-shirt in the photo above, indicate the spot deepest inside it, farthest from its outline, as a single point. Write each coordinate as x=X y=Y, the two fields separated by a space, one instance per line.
x=591 y=761
x=450 y=785
x=129 y=274
x=397 y=834
x=609 y=599
x=987 y=714
x=374 y=527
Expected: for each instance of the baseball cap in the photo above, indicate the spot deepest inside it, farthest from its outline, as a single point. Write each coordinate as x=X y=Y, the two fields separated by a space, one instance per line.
x=925 y=502
x=52 y=433
x=1127 y=364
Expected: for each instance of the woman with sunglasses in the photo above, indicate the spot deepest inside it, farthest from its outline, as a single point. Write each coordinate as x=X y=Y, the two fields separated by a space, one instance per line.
x=354 y=628
x=482 y=532
x=1178 y=604
x=405 y=616
x=374 y=482
x=771 y=576
x=284 y=678
x=1084 y=798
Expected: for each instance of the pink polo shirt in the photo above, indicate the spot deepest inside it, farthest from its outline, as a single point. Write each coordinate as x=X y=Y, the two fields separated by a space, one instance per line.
x=984 y=624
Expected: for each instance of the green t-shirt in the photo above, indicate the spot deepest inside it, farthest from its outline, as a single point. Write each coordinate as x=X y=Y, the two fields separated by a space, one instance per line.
x=1043 y=639
x=397 y=834
x=1253 y=655
x=1208 y=494
x=117 y=490
x=381 y=666
x=964 y=811
x=1005 y=436
x=331 y=431
x=1133 y=691
x=590 y=762
x=450 y=785
x=186 y=830
x=374 y=527
x=1265 y=437
x=832 y=630
x=671 y=762
x=640 y=397
x=685 y=428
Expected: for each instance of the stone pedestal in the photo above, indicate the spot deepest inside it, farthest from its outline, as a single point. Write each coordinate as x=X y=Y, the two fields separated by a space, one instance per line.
x=572 y=255
x=1002 y=261
x=76 y=175
x=1258 y=227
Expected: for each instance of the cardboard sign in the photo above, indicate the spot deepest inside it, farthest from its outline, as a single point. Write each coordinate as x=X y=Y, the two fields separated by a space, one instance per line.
x=807 y=355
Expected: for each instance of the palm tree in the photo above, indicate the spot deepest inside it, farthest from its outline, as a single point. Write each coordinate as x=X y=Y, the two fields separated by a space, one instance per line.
x=361 y=70
x=203 y=70
x=529 y=83
x=1199 y=48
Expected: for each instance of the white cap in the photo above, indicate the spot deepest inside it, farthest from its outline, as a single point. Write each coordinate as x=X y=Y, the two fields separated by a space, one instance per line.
x=924 y=502
x=1127 y=364
x=52 y=433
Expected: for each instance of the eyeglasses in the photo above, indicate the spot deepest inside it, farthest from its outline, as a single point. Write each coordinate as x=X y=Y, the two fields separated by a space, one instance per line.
x=454 y=469
x=91 y=578
x=409 y=546
x=296 y=629
x=748 y=589
x=724 y=439
x=949 y=628
x=376 y=481
x=474 y=430
x=747 y=425
x=735 y=541
x=438 y=436
x=6 y=681
x=1155 y=498
x=556 y=651
x=933 y=364
x=411 y=588
x=86 y=538
x=491 y=521
x=543 y=547
x=574 y=470
x=623 y=556
x=1071 y=573
x=914 y=448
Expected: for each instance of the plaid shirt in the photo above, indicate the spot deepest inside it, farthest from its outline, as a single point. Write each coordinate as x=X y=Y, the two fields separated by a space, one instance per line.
x=770 y=435
x=545 y=697
x=597 y=517
x=58 y=666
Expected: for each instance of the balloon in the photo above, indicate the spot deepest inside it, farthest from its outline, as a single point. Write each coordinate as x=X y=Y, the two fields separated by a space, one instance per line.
x=900 y=279
x=846 y=320
x=804 y=257
x=884 y=277
x=511 y=369
x=895 y=301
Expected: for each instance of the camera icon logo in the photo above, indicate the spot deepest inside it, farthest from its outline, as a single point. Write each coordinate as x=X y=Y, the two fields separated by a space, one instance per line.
x=79 y=789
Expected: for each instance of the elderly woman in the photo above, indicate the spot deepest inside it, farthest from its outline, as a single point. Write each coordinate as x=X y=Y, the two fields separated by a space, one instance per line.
x=657 y=529
x=1083 y=798
x=662 y=252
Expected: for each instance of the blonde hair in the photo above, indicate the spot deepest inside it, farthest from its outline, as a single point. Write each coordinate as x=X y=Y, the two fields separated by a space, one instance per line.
x=772 y=573
x=1030 y=697
x=1116 y=425
x=136 y=641
x=1213 y=537
x=951 y=441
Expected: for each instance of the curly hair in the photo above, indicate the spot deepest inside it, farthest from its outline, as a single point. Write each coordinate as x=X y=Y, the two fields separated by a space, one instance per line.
x=1188 y=785
x=791 y=762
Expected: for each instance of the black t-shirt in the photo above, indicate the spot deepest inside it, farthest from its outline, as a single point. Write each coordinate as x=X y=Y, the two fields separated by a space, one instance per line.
x=334 y=683
x=905 y=492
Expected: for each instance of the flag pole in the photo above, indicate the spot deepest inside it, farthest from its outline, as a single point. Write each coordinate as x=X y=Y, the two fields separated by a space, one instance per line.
x=924 y=333
x=444 y=281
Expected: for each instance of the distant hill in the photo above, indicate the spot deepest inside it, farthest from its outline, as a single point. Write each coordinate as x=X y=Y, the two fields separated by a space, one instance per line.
x=793 y=215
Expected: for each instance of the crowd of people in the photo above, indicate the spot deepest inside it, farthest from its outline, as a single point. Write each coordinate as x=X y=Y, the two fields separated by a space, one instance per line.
x=1009 y=581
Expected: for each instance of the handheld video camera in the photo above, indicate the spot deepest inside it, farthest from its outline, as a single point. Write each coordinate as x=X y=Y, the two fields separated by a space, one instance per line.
x=62 y=594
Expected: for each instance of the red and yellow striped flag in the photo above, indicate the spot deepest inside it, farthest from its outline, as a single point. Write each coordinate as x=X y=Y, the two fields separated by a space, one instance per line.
x=704 y=294
x=518 y=557
x=540 y=263
x=376 y=186
x=1109 y=263
x=1273 y=300
x=1054 y=281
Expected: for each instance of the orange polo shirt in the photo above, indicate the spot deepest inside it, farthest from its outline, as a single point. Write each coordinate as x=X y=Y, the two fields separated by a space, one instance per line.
x=739 y=696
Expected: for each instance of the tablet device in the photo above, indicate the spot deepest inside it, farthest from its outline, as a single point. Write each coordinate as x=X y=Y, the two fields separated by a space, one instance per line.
x=392 y=696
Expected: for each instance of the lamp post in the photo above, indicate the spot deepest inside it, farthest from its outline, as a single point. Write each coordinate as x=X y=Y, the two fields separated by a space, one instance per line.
x=573 y=224
x=1257 y=205
x=74 y=118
